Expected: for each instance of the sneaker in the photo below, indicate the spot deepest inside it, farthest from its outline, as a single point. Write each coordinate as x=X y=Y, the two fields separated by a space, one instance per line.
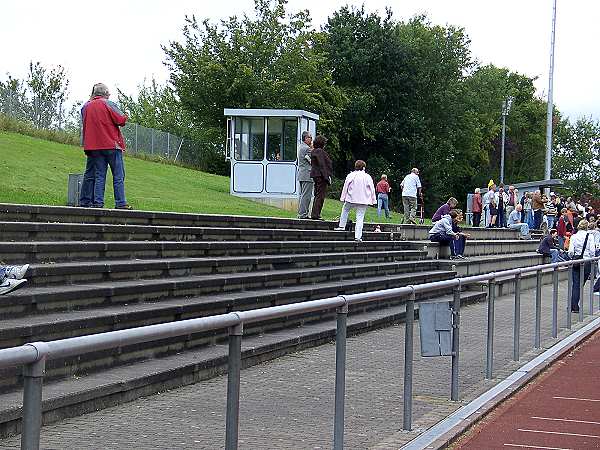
x=339 y=229
x=9 y=285
x=126 y=206
x=16 y=272
x=357 y=240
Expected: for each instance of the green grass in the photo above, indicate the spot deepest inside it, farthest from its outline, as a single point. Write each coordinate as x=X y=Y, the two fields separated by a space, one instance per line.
x=35 y=171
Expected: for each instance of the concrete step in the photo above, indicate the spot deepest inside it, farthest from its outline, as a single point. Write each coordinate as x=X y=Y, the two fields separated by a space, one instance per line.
x=76 y=396
x=18 y=331
x=133 y=269
x=46 y=299
x=483 y=247
x=37 y=231
x=49 y=252
x=65 y=214
x=421 y=232
x=476 y=265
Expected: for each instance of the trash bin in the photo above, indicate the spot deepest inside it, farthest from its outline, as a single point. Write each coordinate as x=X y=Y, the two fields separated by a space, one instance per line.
x=74 y=189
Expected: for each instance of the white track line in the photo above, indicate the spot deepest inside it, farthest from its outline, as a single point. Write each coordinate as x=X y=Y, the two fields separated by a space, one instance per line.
x=558 y=432
x=567 y=420
x=580 y=399
x=536 y=446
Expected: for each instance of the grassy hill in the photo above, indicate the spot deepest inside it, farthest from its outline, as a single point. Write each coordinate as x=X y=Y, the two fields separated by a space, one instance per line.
x=35 y=171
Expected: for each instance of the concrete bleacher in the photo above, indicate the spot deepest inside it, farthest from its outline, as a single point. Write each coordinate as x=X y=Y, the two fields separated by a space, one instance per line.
x=95 y=270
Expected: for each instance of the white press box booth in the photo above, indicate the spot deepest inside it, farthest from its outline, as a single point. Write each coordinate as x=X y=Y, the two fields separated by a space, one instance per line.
x=262 y=146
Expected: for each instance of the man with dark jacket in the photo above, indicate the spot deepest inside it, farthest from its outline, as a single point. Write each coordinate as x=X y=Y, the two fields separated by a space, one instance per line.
x=321 y=172
x=549 y=247
x=104 y=145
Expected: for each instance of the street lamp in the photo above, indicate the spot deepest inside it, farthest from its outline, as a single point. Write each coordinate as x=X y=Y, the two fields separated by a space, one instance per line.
x=506 y=104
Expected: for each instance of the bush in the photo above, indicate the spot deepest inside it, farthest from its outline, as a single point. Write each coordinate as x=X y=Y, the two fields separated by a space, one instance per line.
x=28 y=129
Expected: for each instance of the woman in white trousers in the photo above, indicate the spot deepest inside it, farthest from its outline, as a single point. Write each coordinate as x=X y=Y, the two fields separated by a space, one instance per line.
x=358 y=193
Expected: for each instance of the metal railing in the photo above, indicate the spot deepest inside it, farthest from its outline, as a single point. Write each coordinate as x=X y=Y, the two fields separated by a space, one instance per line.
x=34 y=356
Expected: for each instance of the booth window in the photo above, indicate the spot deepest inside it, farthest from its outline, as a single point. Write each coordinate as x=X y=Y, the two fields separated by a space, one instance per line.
x=282 y=137
x=249 y=139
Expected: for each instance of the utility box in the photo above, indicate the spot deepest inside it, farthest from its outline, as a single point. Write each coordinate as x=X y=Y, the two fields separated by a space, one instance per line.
x=74 y=189
x=435 y=323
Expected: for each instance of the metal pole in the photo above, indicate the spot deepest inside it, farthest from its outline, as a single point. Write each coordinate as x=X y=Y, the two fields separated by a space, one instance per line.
x=555 y=302
x=569 y=296
x=592 y=277
x=233 y=387
x=581 y=283
x=538 y=309
x=548 y=165
x=490 y=329
x=408 y=362
x=152 y=141
x=502 y=145
x=455 y=343
x=517 y=325
x=168 y=145
x=33 y=375
x=136 y=137
x=340 y=377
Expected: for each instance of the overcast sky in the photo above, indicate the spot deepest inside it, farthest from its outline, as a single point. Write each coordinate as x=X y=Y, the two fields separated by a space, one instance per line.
x=118 y=42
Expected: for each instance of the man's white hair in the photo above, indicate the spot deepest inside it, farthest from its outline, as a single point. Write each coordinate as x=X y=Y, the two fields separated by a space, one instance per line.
x=100 y=90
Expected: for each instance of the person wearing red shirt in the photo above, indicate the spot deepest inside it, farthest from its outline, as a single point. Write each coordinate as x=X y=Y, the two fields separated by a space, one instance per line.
x=103 y=145
x=383 y=190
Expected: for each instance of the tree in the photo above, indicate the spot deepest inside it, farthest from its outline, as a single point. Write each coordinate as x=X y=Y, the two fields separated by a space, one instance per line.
x=266 y=62
x=576 y=155
x=13 y=98
x=48 y=89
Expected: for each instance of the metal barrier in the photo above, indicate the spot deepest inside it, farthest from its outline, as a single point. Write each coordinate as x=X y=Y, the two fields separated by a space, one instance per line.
x=34 y=356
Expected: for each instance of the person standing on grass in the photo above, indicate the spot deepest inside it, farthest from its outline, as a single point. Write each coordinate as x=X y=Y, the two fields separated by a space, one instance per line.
x=306 y=182
x=321 y=172
x=411 y=188
x=477 y=207
x=358 y=193
x=103 y=145
x=383 y=201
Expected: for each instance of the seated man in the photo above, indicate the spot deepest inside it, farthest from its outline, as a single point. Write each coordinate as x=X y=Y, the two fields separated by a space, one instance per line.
x=514 y=222
x=549 y=247
x=11 y=278
x=443 y=233
x=444 y=209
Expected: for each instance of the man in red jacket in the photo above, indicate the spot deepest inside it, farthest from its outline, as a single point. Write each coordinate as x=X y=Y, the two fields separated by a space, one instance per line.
x=104 y=145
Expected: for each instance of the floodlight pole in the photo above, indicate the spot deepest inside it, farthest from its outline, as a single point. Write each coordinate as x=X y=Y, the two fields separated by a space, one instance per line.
x=506 y=104
x=548 y=165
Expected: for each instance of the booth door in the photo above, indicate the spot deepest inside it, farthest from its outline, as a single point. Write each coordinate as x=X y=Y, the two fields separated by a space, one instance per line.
x=281 y=154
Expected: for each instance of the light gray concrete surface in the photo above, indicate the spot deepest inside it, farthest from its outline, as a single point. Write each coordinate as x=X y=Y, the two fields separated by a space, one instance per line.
x=288 y=403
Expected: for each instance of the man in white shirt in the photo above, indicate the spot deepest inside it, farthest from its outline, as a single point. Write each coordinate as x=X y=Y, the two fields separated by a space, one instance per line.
x=487 y=200
x=411 y=188
x=514 y=222
x=581 y=244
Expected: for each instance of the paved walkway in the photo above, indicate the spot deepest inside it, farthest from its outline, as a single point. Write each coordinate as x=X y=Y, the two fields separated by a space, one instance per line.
x=560 y=409
x=288 y=403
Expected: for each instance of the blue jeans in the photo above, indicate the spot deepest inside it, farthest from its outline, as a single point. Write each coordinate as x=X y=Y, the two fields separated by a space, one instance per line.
x=522 y=227
x=576 y=274
x=87 y=186
x=383 y=202
x=114 y=159
x=457 y=246
x=550 y=221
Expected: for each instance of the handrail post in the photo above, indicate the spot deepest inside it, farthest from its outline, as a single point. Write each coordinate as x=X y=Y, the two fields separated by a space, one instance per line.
x=538 y=309
x=233 y=386
x=33 y=375
x=581 y=283
x=592 y=276
x=408 y=362
x=569 y=295
x=489 y=363
x=455 y=342
x=555 y=302
x=517 y=323
x=340 y=376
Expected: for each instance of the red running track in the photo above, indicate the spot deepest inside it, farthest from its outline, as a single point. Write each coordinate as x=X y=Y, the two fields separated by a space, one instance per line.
x=558 y=410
